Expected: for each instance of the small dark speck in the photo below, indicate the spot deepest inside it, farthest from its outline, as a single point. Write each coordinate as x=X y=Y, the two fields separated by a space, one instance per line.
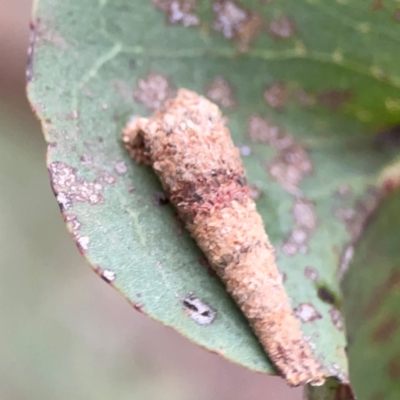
x=197 y=197
x=132 y=63
x=190 y=306
x=326 y=295
x=205 y=263
x=160 y=198
x=100 y=139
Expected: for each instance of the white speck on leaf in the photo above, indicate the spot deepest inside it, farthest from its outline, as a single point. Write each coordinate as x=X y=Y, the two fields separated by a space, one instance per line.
x=198 y=311
x=311 y=273
x=245 y=151
x=306 y=312
x=120 y=168
x=83 y=242
x=108 y=275
x=336 y=318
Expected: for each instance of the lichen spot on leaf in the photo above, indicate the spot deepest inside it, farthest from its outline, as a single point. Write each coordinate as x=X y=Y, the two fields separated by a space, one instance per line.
x=153 y=90
x=178 y=12
x=282 y=27
x=69 y=188
x=235 y=22
x=306 y=312
x=221 y=92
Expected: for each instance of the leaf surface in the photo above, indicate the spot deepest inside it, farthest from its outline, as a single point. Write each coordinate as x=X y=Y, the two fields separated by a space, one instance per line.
x=305 y=85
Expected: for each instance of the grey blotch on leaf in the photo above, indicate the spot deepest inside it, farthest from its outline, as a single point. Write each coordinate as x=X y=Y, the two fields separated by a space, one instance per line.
x=198 y=311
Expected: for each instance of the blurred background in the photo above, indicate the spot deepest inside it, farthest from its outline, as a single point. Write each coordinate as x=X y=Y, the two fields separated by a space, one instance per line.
x=64 y=333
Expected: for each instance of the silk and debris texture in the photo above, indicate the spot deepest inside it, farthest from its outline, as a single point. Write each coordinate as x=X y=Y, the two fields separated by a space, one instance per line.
x=190 y=149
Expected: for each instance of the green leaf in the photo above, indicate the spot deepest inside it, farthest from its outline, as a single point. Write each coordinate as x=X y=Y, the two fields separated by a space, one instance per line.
x=304 y=85
x=372 y=290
